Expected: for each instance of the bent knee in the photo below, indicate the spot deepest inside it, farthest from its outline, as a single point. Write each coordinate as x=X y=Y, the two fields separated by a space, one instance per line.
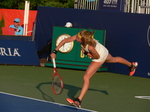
x=86 y=77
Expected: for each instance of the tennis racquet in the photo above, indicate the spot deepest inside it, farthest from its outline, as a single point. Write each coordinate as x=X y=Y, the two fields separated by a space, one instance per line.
x=57 y=82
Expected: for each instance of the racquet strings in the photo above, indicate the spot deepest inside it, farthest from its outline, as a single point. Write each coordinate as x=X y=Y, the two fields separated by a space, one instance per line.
x=57 y=84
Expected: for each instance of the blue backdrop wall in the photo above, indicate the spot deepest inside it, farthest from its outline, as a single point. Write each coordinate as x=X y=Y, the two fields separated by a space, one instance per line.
x=18 y=50
x=127 y=35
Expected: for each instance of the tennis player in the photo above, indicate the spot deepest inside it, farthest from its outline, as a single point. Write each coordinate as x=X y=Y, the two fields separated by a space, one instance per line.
x=98 y=53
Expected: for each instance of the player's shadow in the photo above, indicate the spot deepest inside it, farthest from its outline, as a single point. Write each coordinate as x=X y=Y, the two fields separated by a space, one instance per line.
x=72 y=90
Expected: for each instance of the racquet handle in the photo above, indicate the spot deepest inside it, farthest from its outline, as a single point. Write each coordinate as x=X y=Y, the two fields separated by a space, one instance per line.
x=84 y=49
x=54 y=63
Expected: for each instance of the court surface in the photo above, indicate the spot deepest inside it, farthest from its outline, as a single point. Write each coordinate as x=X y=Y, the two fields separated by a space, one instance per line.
x=15 y=103
x=28 y=89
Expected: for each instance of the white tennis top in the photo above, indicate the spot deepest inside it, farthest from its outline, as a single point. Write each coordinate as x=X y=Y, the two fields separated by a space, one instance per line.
x=102 y=51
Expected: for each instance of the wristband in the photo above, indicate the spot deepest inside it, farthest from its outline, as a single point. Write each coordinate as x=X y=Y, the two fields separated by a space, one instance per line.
x=55 y=51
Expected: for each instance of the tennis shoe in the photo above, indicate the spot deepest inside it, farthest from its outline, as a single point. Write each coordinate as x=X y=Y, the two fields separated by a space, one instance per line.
x=132 y=68
x=75 y=102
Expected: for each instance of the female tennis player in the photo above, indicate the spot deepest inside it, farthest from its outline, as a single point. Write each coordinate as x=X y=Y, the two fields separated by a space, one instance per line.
x=98 y=53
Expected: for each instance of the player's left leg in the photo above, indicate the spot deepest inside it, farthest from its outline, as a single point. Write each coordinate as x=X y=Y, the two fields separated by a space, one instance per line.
x=75 y=102
x=91 y=70
x=93 y=67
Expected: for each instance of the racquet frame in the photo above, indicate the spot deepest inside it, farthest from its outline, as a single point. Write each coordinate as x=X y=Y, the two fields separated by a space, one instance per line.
x=56 y=74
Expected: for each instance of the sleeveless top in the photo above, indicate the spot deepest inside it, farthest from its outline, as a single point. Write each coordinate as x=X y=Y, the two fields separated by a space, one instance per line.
x=102 y=51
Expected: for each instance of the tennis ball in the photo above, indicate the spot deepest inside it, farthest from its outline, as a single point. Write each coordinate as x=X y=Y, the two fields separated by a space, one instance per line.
x=68 y=24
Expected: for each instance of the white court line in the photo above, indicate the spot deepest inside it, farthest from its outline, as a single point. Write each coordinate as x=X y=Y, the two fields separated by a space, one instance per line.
x=44 y=101
x=143 y=97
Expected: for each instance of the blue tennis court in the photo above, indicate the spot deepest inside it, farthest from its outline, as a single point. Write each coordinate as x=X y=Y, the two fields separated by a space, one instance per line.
x=14 y=103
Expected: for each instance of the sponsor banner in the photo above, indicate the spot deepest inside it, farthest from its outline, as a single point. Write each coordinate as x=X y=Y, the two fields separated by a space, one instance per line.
x=18 y=52
x=116 y=5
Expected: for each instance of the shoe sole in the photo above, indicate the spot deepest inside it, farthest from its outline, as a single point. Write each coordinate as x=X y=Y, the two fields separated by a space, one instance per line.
x=72 y=103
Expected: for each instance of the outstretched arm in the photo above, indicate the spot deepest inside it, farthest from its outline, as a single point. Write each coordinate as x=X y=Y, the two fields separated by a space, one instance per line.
x=70 y=39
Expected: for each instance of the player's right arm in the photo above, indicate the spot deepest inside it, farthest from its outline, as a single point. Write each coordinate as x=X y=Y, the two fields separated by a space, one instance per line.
x=66 y=40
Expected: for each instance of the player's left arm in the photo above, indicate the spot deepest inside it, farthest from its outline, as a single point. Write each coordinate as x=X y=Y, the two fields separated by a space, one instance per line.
x=93 y=53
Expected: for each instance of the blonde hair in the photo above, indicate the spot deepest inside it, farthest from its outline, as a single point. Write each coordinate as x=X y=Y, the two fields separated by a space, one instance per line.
x=87 y=37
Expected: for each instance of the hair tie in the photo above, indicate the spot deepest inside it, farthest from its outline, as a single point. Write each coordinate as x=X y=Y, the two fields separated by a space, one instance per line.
x=79 y=35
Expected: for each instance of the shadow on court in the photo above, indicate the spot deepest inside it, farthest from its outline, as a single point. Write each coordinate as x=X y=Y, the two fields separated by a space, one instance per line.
x=72 y=90
x=44 y=95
